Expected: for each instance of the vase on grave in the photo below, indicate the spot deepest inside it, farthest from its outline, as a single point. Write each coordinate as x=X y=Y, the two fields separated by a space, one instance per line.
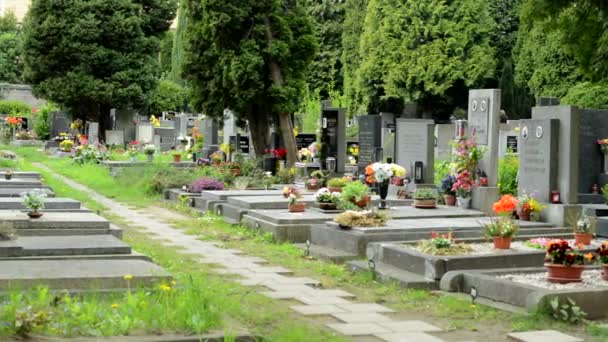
x=133 y=159
x=150 y=157
x=383 y=189
x=463 y=202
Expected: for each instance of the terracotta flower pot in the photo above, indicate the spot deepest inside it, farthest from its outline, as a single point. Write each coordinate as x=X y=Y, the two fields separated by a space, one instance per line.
x=450 y=200
x=605 y=272
x=423 y=203
x=235 y=172
x=564 y=274
x=327 y=206
x=312 y=187
x=334 y=188
x=582 y=238
x=502 y=242
x=296 y=208
x=177 y=158
x=362 y=203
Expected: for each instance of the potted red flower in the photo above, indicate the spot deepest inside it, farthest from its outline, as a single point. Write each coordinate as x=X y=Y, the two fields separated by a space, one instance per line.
x=292 y=195
x=564 y=264
x=502 y=229
x=602 y=254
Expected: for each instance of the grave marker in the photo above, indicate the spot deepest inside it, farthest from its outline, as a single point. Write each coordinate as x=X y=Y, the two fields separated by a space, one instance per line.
x=115 y=138
x=370 y=140
x=415 y=142
x=59 y=123
x=333 y=135
x=305 y=140
x=538 y=152
x=484 y=122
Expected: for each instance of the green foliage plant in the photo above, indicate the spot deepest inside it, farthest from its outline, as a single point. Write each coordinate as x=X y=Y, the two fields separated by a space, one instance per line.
x=42 y=127
x=354 y=191
x=11 y=66
x=443 y=244
x=566 y=311
x=337 y=182
x=167 y=97
x=15 y=108
x=587 y=95
x=508 y=168
x=425 y=193
x=34 y=199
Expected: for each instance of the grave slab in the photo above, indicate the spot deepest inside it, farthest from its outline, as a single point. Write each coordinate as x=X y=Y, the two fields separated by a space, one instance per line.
x=16 y=183
x=13 y=203
x=22 y=175
x=64 y=245
x=16 y=192
x=543 y=336
x=53 y=220
x=74 y=274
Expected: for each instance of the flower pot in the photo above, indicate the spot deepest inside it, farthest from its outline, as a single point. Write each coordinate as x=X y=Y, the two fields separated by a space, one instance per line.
x=133 y=159
x=564 y=274
x=312 y=187
x=362 y=203
x=334 y=188
x=450 y=200
x=150 y=157
x=605 y=272
x=523 y=215
x=502 y=242
x=463 y=202
x=8 y=176
x=582 y=238
x=177 y=158
x=34 y=214
x=425 y=203
x=296 y=207
x=327 y=206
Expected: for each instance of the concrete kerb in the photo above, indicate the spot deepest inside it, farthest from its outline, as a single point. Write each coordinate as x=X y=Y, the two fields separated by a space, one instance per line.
x=590 y=300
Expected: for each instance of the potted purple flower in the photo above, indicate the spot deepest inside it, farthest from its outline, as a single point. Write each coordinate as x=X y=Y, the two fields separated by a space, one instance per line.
x=203 y=184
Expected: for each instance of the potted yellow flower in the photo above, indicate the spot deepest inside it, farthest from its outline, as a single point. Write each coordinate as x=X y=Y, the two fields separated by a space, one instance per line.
x=528 y=208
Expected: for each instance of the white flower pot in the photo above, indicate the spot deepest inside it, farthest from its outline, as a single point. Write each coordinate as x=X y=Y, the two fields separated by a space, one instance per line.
x=464 y=203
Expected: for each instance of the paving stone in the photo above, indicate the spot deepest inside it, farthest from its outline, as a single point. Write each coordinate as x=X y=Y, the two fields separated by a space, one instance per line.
x=361 y=317
x=408 y=337
x=270 y=269
x=310 y=300
x=410 y=326
x=330 y=293
x=357 y=329
x=281 y=295
x=310 y=310
x=543 y=336
x=365 y=307
x=289 y=288
x=298 y=280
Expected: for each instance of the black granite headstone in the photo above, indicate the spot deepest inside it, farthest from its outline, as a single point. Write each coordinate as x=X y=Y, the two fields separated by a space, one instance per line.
x=370 y=139
x=305 y=140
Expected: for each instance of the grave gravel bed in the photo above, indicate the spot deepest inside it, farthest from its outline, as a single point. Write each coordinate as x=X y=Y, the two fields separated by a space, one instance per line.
x=516 y=246
x=591 y=279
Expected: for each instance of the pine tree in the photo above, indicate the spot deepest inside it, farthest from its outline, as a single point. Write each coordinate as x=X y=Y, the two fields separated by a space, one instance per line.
x=250 y=56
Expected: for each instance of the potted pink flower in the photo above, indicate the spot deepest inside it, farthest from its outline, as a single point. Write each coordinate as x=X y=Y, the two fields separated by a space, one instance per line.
x=463 y=187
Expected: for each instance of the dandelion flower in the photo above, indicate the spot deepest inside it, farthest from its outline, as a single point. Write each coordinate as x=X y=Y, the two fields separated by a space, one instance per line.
x=165 y=288
x=115 y=306
x=128 y=277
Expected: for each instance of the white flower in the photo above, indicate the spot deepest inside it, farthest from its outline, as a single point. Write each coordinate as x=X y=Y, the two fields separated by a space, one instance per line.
x=336 y=194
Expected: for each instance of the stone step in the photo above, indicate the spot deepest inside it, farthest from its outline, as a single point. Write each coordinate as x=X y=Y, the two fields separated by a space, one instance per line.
x=63 y=232
x=55 y=220
x=326 y=253
x=64 y=245
x=78 y=274
x=16 y=192
x=386 y=272
x=18 y=183
x=22 y=175
x=131 y=256
x=13 y=203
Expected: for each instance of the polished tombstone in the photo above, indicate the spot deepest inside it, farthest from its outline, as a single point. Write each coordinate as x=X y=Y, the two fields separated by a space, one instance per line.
x=414 y=143
x=370 y=140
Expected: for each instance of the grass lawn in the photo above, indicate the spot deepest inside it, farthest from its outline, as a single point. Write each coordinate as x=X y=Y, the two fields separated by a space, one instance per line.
x=448 y=311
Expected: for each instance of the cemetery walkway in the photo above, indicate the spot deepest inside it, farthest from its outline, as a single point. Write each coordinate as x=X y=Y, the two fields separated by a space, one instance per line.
x=361 y=321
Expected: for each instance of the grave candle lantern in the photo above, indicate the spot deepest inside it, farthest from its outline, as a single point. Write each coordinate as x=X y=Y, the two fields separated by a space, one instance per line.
x=483 y=179
x=418 y=172
x=461 y=127
x=555 y=197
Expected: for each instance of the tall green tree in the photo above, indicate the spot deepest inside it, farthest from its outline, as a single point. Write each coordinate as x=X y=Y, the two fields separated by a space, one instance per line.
x=326 y=70
x=89 y=56
x=177 y=54
x=11 y=66
x=250 y=56
x=582 y=26
x=354 y=18
x=423 y=51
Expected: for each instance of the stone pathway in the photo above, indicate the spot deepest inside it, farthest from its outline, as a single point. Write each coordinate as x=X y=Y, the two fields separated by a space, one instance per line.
x=357 y=319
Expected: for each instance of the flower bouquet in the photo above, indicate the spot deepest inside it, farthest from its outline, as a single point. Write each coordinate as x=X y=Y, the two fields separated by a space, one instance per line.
x=528 y=207
x=463 y=187
x=312 y=184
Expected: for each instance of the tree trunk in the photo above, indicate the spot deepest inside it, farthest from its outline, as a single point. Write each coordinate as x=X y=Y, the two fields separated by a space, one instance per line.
x=285 y=124
x=260 y=139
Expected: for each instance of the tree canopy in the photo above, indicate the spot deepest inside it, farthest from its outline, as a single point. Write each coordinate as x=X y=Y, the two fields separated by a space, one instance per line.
x=11 y=67
x=250 y=56
x=91 y=55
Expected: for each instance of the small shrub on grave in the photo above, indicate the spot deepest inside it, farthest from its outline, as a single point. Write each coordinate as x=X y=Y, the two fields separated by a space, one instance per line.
x=508 y=167
x=566 y=311
x=368 y=218
x=443 y=244
x=7 y=231
x=286 y=176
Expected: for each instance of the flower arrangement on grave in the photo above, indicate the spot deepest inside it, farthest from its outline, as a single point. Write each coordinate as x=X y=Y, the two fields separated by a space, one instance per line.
x=502 y=228
x=315 y=150
x=8 y=174
x=382 y=173
x=312 y=184
x=320 y=176
x=279 y=153
x=353 y=150
x=336 y=184
x=538 y=243
x=76 y=125
x=233 y=167
x=584 y=229
x=14 y=122
x=463 y=187
x=132 y=150
x=154 y=121
x=366 y=218
x=292 y=195
x=354 y=193
x=216 y=157
x=425 y=198
x=177 y=156
x=83 y=139
x=66 y=145
x=326 y=199
x=447 y=185
x=528 y=207
x=602 y=255
x=603 y=145
x=304 y=154
x=467 y=156
x=205 y=183
x=25 y=135
x=443 y=244
x=149 y=149
x=564 y=264
x=288 y=190
x=34 y=200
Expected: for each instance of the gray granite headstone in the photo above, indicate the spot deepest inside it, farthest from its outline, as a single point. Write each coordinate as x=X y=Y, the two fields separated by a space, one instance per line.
x=444 y=136
x=538 y=153
x=370 y=139
x=230 y=128
x=145 y=132
x=181 y=125
x=59 y=123
x=92 y=132
x=208 y=128
x=115 y=138
x=164 y=137
x=415 y=141
x=484 y=122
